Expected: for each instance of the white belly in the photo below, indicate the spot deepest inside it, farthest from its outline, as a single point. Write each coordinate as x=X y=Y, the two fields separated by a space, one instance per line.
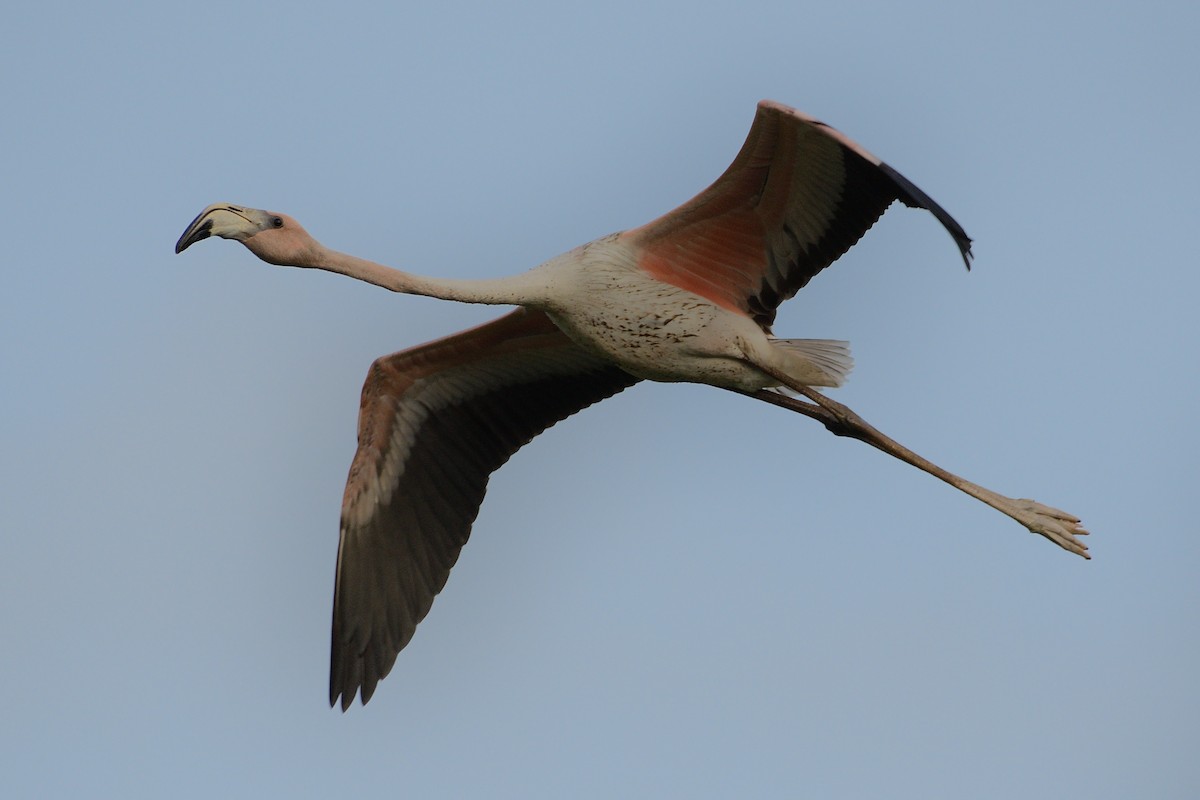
x=654 y=330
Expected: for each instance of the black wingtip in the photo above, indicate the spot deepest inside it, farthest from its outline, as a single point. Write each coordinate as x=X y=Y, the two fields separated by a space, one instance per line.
x=964 y=245
x=344 y=699
x=913 y=197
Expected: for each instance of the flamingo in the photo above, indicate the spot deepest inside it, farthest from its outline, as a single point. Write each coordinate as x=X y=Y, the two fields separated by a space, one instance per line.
x=690 y=296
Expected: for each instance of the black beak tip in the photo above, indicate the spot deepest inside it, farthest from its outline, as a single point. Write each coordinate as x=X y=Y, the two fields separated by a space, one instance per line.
x=193 y=234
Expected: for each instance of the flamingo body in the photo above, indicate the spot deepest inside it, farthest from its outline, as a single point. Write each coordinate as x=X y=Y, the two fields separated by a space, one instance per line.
x=605 y=300
x=690 y=296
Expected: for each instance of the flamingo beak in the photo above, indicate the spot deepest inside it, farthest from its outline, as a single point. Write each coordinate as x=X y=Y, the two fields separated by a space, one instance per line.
x=227 y=221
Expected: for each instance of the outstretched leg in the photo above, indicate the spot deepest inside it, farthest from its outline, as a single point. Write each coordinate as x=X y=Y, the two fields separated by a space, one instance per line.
x=1057 y=526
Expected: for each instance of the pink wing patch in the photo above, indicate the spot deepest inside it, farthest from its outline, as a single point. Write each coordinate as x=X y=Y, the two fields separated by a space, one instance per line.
x=721 y=259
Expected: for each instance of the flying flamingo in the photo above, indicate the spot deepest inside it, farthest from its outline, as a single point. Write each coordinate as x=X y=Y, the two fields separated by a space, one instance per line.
x=690 y=297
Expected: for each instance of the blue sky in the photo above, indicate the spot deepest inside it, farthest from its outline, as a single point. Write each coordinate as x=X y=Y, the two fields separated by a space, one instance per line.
x=678 y=592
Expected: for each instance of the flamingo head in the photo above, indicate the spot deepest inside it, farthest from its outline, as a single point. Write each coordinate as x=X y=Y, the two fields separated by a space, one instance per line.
x=275 y=238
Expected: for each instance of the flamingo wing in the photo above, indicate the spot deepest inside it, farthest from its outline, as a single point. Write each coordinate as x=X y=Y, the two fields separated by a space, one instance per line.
x=435 y=422
x=798 y=195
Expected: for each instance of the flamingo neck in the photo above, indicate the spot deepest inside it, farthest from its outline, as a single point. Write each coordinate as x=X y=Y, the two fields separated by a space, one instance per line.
x=513 y=290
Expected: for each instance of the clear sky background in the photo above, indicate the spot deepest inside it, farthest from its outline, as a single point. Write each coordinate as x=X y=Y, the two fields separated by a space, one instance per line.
x=679 y=592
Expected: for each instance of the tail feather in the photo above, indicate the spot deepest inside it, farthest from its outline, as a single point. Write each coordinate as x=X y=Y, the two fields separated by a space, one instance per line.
x=831 y=357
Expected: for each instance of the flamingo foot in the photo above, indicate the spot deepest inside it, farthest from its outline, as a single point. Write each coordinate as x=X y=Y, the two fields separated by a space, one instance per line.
x=1057 y=526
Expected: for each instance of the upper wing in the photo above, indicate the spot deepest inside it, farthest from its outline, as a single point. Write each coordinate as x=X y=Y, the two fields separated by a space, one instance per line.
x=797 y=196
x=435 y=422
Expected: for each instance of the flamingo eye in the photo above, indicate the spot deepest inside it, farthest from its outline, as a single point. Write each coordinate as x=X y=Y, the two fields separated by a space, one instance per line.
x=277 y=222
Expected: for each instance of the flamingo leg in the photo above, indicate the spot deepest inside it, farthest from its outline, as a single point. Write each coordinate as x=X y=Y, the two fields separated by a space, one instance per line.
x=1057 y=526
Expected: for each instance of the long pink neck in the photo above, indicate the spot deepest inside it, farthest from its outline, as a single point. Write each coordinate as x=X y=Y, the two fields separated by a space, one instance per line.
x=525 y=289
